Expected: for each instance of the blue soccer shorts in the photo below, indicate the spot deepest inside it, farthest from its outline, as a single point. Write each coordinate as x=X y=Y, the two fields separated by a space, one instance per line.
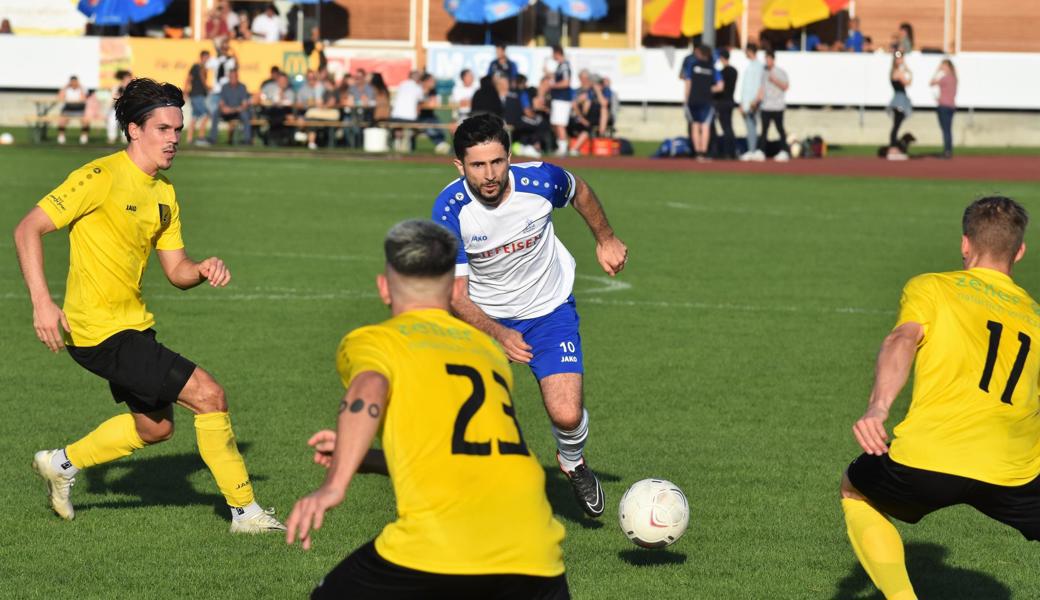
x=554 y=340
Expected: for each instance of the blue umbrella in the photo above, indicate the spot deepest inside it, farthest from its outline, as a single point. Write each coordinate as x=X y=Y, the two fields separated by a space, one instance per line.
x=483 y=11
x=583 y=10
x=121 y=12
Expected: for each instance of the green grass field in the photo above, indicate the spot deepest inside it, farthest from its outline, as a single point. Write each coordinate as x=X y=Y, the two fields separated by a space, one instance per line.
x=732 y=357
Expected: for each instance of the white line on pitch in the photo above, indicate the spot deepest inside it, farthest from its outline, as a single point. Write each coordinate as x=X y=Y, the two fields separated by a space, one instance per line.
x=738 y=307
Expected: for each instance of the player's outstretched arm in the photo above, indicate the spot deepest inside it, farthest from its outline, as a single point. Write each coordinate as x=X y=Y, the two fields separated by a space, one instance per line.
x=360 y=414
x=512 y=341
x=185 y=273
x=893 y=369
x=48 y=319
x=611 y=252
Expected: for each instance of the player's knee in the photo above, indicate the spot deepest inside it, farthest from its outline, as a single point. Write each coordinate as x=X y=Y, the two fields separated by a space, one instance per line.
x=155 y=432
x=567 y=418
x=848 y=491
x=212 y=398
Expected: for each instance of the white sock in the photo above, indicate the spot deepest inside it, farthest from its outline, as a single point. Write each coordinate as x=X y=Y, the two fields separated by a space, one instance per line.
x=61 y=463
x=571 y=444
x=562 y=145
x=239 y=513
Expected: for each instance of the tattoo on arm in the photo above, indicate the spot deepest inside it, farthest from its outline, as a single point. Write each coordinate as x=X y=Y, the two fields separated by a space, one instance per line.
x=357 y=405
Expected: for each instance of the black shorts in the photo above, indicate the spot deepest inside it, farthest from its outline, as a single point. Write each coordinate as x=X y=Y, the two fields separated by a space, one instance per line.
x=141 y=372
x=364 y=575
x=909 y=494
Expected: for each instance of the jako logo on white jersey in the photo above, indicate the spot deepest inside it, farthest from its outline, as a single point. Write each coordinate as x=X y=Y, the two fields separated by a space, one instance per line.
x=478 y=238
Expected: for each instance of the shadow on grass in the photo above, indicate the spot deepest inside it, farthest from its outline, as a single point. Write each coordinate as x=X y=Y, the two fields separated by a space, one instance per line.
x=155 y=481
x=651 y=558
x=564 y=504
x=931 y=579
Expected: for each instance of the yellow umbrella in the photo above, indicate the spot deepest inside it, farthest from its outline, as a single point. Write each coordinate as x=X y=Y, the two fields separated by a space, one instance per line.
x=793 y=14
x=685 y=18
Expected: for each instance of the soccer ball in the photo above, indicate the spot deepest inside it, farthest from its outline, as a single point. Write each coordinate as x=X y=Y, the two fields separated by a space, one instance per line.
x=653 y=513
x=6 y=139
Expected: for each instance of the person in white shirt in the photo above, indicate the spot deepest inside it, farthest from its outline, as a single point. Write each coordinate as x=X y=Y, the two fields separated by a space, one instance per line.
x=414 y=96
x=750 y=83
x=267 y=26
x=514 y=277
x=405 y=106
x=462 y=93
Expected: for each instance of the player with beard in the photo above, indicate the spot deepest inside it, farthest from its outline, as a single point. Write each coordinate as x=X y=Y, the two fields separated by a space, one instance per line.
x=514 y=278
x=118 y=208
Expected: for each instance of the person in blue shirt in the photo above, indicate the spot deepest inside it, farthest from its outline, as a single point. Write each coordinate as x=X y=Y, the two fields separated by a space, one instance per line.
x=503 y=65
x=701 y=80
x=854 y=41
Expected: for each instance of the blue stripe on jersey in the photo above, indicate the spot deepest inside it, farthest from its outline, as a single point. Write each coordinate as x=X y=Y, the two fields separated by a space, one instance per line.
x=446 y=210
x=546 y=180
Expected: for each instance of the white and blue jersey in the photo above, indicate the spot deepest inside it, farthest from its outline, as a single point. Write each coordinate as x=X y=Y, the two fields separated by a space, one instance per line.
x=517 y=267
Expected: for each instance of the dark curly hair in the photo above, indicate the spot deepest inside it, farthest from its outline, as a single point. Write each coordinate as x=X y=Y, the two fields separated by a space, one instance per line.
x=478 y=130
x=141 y=97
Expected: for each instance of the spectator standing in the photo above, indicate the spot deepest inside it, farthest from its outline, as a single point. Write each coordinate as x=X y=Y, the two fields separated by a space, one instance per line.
x=750 y=85
x=216 y=25
x=701 y=81
x=905 y=38
x=900 y=107
x=123 y=78
x=462 y=94
x=267 y=26
x=724 y=105
x=220 y=65
x=772 y=97
x=562 y=98
x=503 y=65
x=234 y=105
x=197 y=92
x=73 y=99
x=854 y=41
x=945 y=80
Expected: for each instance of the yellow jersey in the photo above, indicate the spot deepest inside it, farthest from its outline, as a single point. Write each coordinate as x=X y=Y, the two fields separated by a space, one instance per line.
x=974 y=411
x=470 y=494
x=116 y=214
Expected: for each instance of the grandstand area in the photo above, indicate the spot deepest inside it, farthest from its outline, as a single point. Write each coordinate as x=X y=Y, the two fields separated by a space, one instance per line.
x=731 y=356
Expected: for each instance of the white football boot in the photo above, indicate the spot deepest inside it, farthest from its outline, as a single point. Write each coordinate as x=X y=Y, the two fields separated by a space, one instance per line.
x=58 y=485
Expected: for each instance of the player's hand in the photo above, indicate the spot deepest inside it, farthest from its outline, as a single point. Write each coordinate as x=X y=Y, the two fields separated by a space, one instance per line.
x=612 y=255
x=49 y=322
x=324 y=443
x=215 y=271
x=870 y=431
x=309 y=514
x=513 y=343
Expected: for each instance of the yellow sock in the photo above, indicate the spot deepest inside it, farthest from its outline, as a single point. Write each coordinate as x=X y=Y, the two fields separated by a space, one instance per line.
x=220 y=453
x=879 y=549
x=115 y=438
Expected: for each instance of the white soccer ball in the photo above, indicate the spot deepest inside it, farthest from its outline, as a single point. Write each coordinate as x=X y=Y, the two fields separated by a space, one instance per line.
x=654 y=513
x=6 y=139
